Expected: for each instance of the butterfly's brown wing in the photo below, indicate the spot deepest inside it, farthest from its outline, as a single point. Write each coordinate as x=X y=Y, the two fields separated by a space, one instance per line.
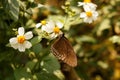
x=63 y=50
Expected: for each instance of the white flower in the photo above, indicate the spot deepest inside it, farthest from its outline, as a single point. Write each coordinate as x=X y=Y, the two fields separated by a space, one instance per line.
x=89 y=15
x=43 y=23
x=53 y=28
x=86 y=4
x=20 y=42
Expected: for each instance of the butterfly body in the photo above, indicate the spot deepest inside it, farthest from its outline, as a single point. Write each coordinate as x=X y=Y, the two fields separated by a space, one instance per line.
x=63 y=50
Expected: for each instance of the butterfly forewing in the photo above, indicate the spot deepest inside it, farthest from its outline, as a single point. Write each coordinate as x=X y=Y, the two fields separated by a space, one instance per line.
x=63 y=50
x=57 y=48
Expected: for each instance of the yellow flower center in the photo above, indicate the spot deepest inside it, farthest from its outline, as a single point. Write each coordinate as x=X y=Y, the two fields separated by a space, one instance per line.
x=87 y=1
x=43 y=22
x=56 y=29
x=89 y=14
x=21 y=39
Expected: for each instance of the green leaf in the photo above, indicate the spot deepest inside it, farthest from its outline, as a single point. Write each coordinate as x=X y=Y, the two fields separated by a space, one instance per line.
x=31 y=64
x=50 y=64
x=115 y=39
x=37 y=48
x=36 y=40
x=22 y=73
x=30 y=24
x=13 y=8
x=105 y=24
x=46 y=76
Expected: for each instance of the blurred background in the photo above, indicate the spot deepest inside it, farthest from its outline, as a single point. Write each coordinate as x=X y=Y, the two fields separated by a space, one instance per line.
x=97 y=45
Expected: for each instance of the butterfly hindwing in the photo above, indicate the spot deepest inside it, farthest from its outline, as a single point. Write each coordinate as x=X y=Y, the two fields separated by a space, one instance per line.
x=71 y=56
x=58 y=50
x=63 y=50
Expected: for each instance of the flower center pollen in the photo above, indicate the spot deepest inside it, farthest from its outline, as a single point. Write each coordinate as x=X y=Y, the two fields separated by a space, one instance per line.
x=43 y=22
x=87 y=1
x=89 y=14
x=56 y=29
x=21 y=39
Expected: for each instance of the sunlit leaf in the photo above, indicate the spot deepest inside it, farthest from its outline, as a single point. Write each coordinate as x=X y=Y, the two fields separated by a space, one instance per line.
x=105 y=24
x=115 y=39
x=50 y=64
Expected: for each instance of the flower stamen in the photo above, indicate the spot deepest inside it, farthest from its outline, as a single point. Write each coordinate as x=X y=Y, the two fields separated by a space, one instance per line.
x=89 y=14
x=43 y=22
x=21 y=39
x=56 y=29
x=87 y=1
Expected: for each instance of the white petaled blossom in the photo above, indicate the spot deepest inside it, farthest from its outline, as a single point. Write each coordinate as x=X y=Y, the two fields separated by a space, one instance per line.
x=20 y=42
x=87 y=3
x=43 y=23
x=89 y=15
x=53 y=28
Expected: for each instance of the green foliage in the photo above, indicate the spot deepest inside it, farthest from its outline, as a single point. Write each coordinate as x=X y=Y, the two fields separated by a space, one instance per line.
x=12 y=6
x=97 y=45
x=46 y=76
x=22 y=73
x=50 y=64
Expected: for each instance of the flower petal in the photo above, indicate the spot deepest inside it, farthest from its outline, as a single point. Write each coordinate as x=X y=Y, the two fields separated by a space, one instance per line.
x=94 y=18
x=95 y=13
x=28 y=35
x=13 y=40
x=86 y=8
x=59 y=24
x=21 y=31
x=53 y=35
x=15 y=46
x=27 y=44
x=88 y=20
x=48 y=27
x=51 y=23
x=38 y=25
x=93 y=6
x=80 y=3
x=43 y=28
x=83 y=14
x=89 y=7
x=21 y=48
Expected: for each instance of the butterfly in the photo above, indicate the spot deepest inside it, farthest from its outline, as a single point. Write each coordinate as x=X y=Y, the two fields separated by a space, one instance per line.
x=63 y=50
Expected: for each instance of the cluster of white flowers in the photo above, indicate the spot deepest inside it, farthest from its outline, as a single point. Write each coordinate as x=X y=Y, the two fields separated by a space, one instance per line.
x=90 y=13
x=21 y=41
x=51 y=27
